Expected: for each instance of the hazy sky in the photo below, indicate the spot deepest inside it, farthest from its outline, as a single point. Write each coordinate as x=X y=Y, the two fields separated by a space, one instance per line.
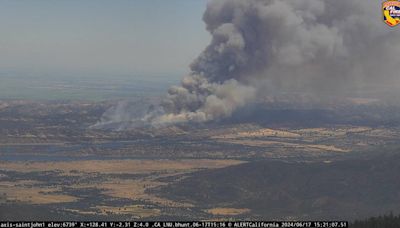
x=124 y=36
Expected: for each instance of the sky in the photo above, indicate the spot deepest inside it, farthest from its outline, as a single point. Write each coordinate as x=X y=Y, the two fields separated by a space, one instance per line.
x=149 y=37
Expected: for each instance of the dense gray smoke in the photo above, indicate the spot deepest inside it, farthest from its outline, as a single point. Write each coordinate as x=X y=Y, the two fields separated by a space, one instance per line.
x=267 y=46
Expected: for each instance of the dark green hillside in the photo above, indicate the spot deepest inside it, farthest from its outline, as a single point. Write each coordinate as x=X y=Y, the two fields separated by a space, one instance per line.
x=348 y=189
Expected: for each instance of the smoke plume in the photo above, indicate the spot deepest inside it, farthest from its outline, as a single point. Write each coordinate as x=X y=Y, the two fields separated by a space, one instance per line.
x=267 y=46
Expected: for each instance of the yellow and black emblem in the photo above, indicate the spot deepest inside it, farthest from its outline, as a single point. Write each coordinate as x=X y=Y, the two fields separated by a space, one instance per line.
x=391 y=12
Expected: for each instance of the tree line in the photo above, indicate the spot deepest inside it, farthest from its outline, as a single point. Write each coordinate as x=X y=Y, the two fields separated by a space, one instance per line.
x=385 y=221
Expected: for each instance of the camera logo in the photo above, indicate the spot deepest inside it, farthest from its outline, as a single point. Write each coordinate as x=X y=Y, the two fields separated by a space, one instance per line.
x=391 y=12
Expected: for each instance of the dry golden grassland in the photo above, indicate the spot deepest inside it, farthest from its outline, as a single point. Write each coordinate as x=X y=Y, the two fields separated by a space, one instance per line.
x=308 y=139
x=271 y=143
x=137 y=211
x=128 y=188
x=227 y=211
x=295 y=133
x=266 y=132
x=27 y=191
x=118 y=166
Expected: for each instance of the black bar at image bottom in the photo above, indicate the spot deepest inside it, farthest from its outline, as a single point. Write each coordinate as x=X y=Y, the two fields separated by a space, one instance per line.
x=174 y=224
